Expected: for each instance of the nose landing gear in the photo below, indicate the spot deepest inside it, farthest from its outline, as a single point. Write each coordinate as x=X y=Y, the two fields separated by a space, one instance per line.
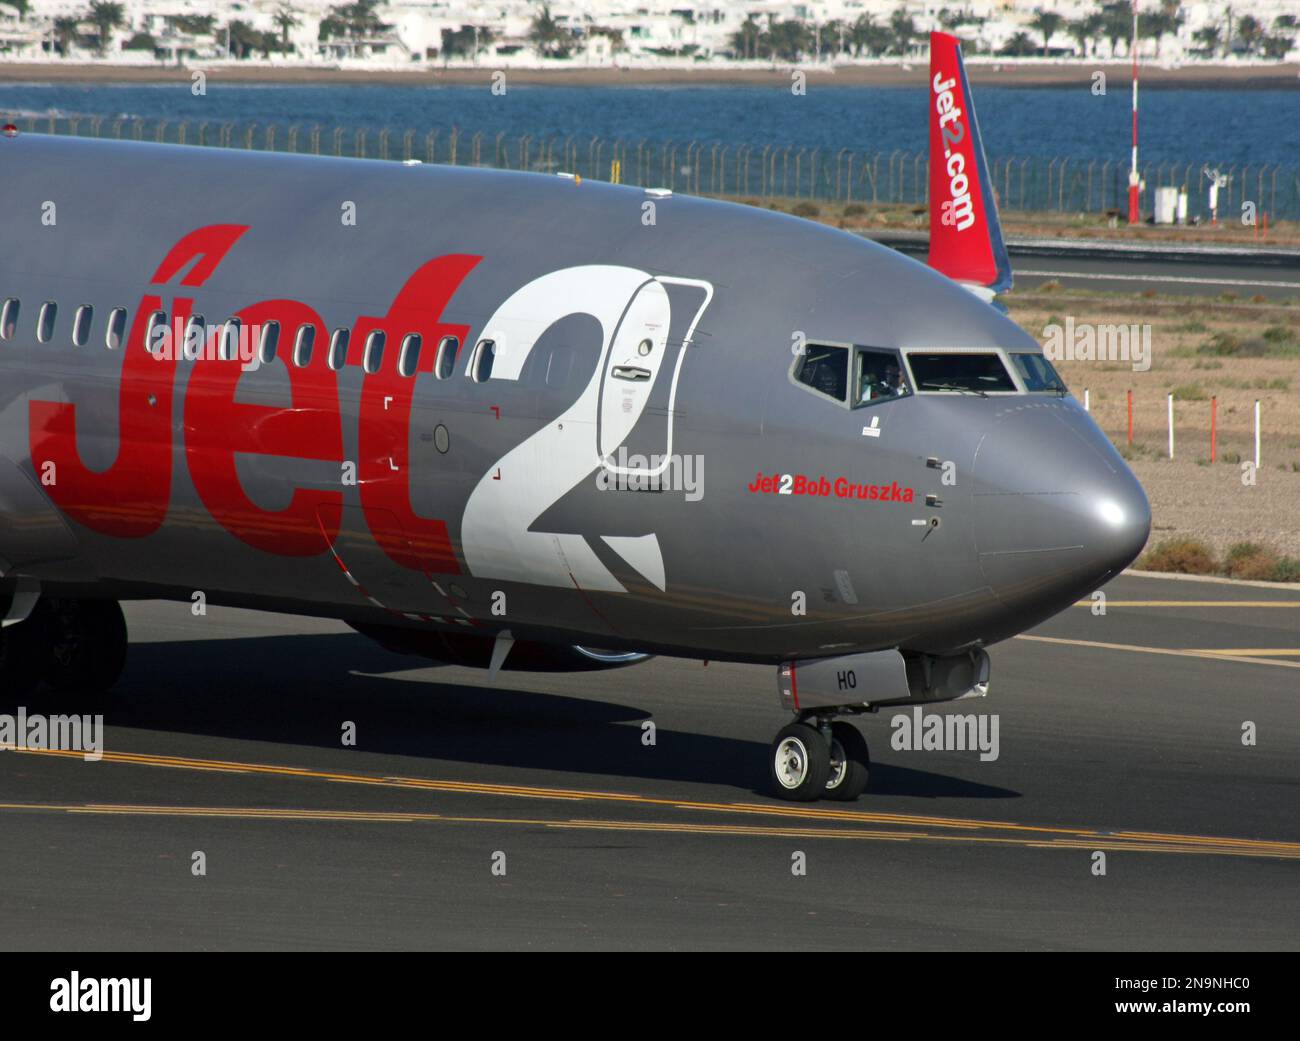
x=816 y=758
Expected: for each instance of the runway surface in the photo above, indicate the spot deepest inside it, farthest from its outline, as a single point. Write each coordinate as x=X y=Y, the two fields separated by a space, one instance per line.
x=1137 y=276
x=1119 y=734
x=1167 y=268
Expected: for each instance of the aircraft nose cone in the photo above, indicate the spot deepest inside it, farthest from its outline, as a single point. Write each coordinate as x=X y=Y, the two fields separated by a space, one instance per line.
x=1056 y=508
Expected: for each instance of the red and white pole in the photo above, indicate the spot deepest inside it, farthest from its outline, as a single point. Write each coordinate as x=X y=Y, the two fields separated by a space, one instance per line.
x=1214 y=428
x=1134 y=184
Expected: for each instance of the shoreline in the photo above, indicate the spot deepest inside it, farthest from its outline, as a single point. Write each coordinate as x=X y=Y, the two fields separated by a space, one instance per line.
x=982 y=72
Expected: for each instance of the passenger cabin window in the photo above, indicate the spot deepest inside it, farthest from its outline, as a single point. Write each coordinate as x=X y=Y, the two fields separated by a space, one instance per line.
x=1037 y=374
x=445 y=364
x=374 y=356
x=115 y=330
x=484 y=354
x=231 y=334
x=270 y=340
x=826 y=370
x=303 y=344
x=409 y=359
x=45 y=321
x=196 y=335
x=155 y=333
x=9 y=318
x=338 y=356
x=958 y=373
x=81 y=322
x=879 y=376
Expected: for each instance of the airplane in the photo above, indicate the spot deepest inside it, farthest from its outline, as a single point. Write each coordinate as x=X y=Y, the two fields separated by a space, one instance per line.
x=525 y=421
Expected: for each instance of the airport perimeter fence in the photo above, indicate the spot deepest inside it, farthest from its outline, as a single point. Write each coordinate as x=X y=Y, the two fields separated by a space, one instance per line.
x=761 y=172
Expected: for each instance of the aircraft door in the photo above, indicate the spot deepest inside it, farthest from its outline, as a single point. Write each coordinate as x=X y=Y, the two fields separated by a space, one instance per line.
x=640 y=374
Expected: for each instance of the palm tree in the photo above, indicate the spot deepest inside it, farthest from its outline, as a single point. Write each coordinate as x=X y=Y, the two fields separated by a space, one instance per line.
x=1117 y=23
x=1085 y=31
x=285 y=20
x=744 y=41
x=107 y=16
x=1046 y=22
x=1208 y=37
x=859 y=31
x=1019 y=46
x=65 y=31
x=1250 y=31
x=244 y=39
x=789 y=39
x=549 y=37
x=903 y=30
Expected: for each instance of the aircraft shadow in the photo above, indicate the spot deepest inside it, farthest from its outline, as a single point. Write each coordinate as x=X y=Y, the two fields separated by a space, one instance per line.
x=299 y=689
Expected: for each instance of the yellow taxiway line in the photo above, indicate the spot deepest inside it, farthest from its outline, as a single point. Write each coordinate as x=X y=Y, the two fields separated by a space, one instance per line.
x=1192 y=603
x=935 y=828
x=1248 y=655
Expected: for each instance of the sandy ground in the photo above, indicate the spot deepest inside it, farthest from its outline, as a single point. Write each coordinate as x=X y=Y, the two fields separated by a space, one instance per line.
x=980 y=71
x=1189 y=495
x=1210 y=503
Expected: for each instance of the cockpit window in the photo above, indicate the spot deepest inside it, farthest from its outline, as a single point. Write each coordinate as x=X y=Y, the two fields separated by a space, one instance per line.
x=1036 y=373
x=978 y=373
x=826 y=370
x=879 y=377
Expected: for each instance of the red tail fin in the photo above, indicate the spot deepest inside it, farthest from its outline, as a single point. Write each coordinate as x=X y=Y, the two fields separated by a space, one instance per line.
x=965 y=236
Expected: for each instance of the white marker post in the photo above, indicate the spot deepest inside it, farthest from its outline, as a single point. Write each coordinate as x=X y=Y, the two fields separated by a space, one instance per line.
x=1171 y=426
x=1256 y=435
x=1086 y=407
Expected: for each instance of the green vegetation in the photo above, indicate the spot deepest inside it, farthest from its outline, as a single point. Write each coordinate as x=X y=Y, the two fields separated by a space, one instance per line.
x=1244 y=560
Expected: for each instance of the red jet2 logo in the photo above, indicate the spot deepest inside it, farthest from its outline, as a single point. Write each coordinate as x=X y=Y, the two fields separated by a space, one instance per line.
x=130 y=499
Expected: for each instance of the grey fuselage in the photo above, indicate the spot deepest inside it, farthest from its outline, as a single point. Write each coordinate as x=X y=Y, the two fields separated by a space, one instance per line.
x=1035 y=507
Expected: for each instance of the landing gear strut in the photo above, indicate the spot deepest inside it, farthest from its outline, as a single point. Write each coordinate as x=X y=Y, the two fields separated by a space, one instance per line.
x=817 y=758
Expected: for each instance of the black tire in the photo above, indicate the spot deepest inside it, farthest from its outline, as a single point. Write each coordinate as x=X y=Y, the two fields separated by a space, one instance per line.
x=854 y=771
x=87 y=646
x=24 y=652
x=800 y=761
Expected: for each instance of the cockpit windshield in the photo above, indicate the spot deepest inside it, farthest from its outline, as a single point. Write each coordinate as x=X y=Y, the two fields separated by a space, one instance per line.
x=853 y=376
x=960 y=372
x=826 y=370
x=880 y=376
x=1037 y=374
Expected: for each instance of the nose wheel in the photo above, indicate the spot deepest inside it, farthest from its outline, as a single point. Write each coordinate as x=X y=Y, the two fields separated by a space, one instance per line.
x=818 y=759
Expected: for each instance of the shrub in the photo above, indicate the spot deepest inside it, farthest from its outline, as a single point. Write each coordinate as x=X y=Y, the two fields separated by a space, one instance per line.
x=1250 y=560
x=806 y=209
x=1287 y=570
x=1222 y=343
x=854 y=209
x=1182 y=555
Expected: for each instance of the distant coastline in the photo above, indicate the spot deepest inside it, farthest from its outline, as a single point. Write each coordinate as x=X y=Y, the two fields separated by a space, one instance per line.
x=984 y=72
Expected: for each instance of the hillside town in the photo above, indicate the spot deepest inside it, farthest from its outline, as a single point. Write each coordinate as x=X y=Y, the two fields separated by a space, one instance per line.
x=631 y=33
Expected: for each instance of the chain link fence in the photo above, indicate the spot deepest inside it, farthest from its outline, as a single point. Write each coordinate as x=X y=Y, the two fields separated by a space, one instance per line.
x=845 y=175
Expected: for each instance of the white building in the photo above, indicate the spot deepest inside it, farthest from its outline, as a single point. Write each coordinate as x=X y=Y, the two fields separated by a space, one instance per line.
x=602 y=32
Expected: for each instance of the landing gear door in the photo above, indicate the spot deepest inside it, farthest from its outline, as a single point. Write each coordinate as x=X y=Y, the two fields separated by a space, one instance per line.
x=641 y=373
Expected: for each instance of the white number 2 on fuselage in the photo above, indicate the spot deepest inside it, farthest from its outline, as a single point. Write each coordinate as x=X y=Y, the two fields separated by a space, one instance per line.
x=631 y=307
